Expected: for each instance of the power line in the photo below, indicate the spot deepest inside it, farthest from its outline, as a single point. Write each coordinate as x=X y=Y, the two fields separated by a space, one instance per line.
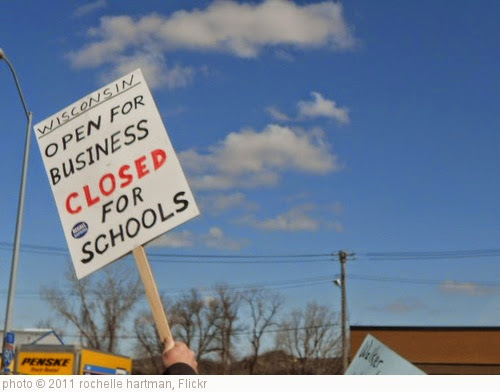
x=196 y=258
x=283 y=284
x=293 y=283
x=280 y=258
x=431 y=255
x=229 y=260
x=37 y=249
x=303 y=282
x=270 y=256
x=238 y=333
x=421 y=281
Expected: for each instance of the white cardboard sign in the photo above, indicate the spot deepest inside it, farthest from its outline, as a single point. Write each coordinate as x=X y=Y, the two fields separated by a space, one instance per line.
x=116 y=179
x=375 y=358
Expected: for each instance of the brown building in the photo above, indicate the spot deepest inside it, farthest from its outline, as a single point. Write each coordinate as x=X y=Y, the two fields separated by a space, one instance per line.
x=439 y=350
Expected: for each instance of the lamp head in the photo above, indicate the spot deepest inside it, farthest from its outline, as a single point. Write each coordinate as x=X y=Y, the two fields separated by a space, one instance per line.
x=2 y=54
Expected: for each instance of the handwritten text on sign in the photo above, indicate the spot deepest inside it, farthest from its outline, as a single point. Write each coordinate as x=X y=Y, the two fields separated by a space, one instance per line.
x=114 y=174
x=375 y=358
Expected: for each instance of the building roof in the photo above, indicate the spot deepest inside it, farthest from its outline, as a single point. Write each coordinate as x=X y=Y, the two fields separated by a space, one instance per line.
x=436 y=344
x=424 y=328
x=35 y=336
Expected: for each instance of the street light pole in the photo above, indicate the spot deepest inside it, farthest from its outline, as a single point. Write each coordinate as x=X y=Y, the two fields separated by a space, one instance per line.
x=20 y=206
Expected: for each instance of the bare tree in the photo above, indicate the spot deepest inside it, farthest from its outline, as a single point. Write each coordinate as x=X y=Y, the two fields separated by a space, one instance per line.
x=97 y=307
x=311 y=337
x=264 y=306
x=193 y=321
x=149 y=347
x=227 y=303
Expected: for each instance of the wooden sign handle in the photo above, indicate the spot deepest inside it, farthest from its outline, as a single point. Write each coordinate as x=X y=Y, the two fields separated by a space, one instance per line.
x=153 y=297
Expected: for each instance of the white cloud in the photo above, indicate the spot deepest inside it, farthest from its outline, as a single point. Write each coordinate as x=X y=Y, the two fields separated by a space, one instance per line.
x=277 y=114
x=218 y=203
x=250 y=159
x=242 y=30
x=295 y=219
x=452 y=287
x=401 y=305
x=284 y=55
x=336 y=225
x=181 y=239
x=337 y=208
x=154 y=68
x=217 y=239
x=303 y=217
x=174 y=111
x=317 y=107
x=88 y=8
x=321 y=107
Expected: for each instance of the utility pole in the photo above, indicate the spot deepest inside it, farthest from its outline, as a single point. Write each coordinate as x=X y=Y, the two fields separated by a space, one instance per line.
x=345 y=347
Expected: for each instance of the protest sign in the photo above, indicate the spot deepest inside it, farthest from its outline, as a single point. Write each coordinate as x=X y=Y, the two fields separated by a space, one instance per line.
x=114 y=174
x=375 y=358
x=116 y=179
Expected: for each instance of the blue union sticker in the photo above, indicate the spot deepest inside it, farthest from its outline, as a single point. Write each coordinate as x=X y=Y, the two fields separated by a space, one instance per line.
x=79 y=230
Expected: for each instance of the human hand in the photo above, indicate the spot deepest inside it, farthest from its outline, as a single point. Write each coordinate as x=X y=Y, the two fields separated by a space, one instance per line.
x=176 y=352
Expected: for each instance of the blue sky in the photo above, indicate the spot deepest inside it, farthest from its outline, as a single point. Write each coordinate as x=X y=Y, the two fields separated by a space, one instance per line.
x=303 y=127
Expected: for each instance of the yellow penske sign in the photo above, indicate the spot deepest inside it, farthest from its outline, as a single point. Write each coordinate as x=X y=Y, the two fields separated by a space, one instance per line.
x=46 y=363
